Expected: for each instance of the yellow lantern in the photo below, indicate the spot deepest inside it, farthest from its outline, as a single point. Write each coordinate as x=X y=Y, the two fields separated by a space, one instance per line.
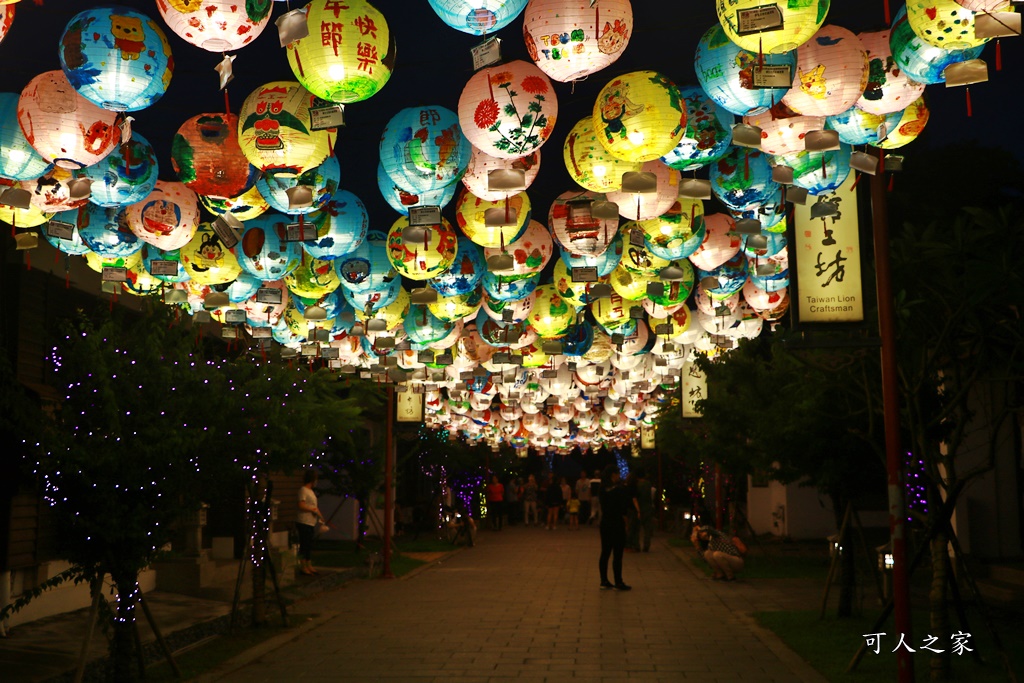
x=23 y=218
x=451 y=308
x=534 y=356
x=629 y=285
x=249 y=204
x=470 y=213
x=612 y=313
x=140 y=282
x=313 y=279
x=206 y=260
x=274 y=129
x=639 y=260
x=393 y=314
x=575 y=293
x=551 y=315
x=911 y=124
x=591 y=165
x=800 y=21
x=640 y=116
x=672 y=325
x=98 y=263
x=426 y=258
x=943 y=23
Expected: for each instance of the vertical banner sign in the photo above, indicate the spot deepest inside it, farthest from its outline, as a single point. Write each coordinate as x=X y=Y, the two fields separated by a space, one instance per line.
x=828 y=261
x=646 y=437
x=409 y=406
x=695 y=388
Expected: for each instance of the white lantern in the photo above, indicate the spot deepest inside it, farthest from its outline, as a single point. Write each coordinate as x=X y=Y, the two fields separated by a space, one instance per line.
x=831 y=73
x=571 y=39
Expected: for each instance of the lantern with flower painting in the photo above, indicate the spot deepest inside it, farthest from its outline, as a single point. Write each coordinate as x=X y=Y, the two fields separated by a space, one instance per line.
x=206 y=260
x=800 y=21
x=831 y=73
x=508 y=111
x=572 y=39
x=340 y=227
x=426 y=258
x=249 y=204
x=422 y=148
x=708 y=132
x=216 y=25
x=167 y=218
x=476 y=178
x=943 y=23
x=206 y=156
x=921 y=61
x=477 y=17
x=727 y=73
x=321 y=180
x=349 y=53
x=889 y=88
x=127 y=175
x=639 y=116
x=471 y=214
x=116 y=57
x=274 y=129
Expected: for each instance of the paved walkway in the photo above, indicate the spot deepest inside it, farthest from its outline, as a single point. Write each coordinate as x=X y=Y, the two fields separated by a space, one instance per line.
x=524 y=605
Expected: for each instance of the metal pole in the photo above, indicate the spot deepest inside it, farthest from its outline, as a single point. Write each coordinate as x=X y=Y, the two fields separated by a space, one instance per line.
x=891 y=413
x=389 y=499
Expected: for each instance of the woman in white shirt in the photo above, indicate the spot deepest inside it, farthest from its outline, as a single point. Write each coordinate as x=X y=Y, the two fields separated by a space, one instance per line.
x=306 y=522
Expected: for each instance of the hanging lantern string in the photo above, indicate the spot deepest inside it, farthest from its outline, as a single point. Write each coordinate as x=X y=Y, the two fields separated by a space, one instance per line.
x=227 y=102
x=970 y=109
x=888 y=13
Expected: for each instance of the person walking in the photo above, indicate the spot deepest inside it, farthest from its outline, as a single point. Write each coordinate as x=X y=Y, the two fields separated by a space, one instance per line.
x=495 y=494
x=553 y=501
x=614 y=504
x=306 y=522
x=583 y=493
x=530 y=491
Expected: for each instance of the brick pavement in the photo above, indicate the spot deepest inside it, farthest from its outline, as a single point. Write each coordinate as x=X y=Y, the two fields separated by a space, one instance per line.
x=524 y=605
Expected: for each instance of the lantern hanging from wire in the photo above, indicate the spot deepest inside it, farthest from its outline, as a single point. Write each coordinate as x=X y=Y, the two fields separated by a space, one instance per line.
x=629 y=284
x=611 y=313
x=771 y=213
x=117 y=58
x=424 y=328
x=274 y=129
x=643 y=205
x=572 y=39
x=800 y=21
x=425 y=258
x=105 y=231
x=401 y=199
x=911 y=124
x=465 y=272
x=831 y=73
x=583 y=222
x=321 y=181
x=98 y=263
x=471 y=215
x=889 y=88
x=206 y=156
x=591 y=165
x=125 y=176
x=206 y=260
x=73 y=245
x=264 y=250
x=23 y=218
x=708 y=132
x=640 y=116
x=245 y=206
x=216 y=25
x=167 y=218
x=742 y=178
x=18 y=160
x=477 y=17
x=943 y=23
x=476 y=178
x=636 y=258
x=919 y=60
x=341 y=227
x=422 y=148
x=349 y=53
x=727 y=73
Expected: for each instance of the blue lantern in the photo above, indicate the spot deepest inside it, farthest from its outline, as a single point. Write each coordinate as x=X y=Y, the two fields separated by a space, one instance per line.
x=477 y=17
x=708 y=132
x=18 y=161
x=125 y=176
x=509 y=291
x=340 y=227
x=605 y=262
x=742 y=179
x=264 y=251
x=242 y=288
x=116 y=58
x=400 y=198
x=322 y=180
x=150 y=258
x=423 y=149
x=73 y=246
x=424 y=328
x=464 y=274
x=771 y=213
x=819 y=172
x=857 y=127
x=578 y=339
x=731 y=275
x=726 y=72
x=105 y=231
x=377 y=298
x=367 y=267
x=919 y=60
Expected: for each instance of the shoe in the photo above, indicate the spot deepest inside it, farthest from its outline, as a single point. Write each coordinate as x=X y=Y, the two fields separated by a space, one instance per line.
x=605 y=586
x=622 y=587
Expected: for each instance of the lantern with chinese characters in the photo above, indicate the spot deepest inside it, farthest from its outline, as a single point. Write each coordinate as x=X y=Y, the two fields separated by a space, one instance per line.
x=264 y=251
x=340 y=228
x=643 y=205
x=858 y=127
x=426 y=258
x=401 y=199
x=574 y=226
x=216 y=25
x=921 y=61
x=422 y=148
x=167 y=218
x=106 y=233
x=819 y=172
x=677 y=233
x=127 y=175
x=551 y=314
x=912 y=122
x=640 y=116
x=18 y=160
x=509 y=110
x=249 y=204
x=51 y=192
x=471 y=215
x=571 y=39
x=206 y=260
x=477 y=17
x=742 y=178
x=206 y=156
x=783 y=130
x=530 y=251
x=313 y=278
x=800 y=20
x=889 y=88
x=476 y=178
x=726 y=73
x=367 y=267
x=117 y=58
x=274 y=129
x=708 y=132
x=589 y=163
x=465 y=272
x=322 y=182
x=63 y=126
x=611 y=313
x=831 y=73
x=943 y=23
x=349 y=53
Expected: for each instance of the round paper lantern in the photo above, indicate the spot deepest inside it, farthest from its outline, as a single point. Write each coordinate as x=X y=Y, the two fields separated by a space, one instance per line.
x=480 y=164
x=831 y=73
x=760 y=299
x=678 y=232
x=73 y=246
x=639 y=259
x=783 y=130
x=800 y=21
x=726 y=73
x=510 y=290
x=401 y=199
x=720 y=244
x=313 y=278
x=921 y=61
x=477 y=17
x=140 y=283
x=273 y=129
x=340 y=227
x=51 y=193
x=18 y=160
x=551 y=315
x=640 y=116
x=98 y=263
x=216 y=25
x=105 y=232
x=518 y=311
x=571 y=39
x=376 y=297
x=771 y=213
x=576 y=294
x=628 y=284
x=471 y=216
x=63 y=126
x=206 y=260
x=23 y=218
x=127 y=175
x=641 y=206
x=530 y=251
x=452 y=308
x=509 y=110
x=612 y=313
x=465 y=272
x=167 y=218
x=708 y=132
x=731 y=277
x=349 y=53
x=322 y=181
x=858 y=127
x=943 y=23
x=912 y=122
x=742 y=178
x=249 y=204
x=589 y=163
x=153 y=257
x=367 y=267
x=604 y=262
x=889 y=88
x=117 y=58
x=424 y=259
x=422 y=148
x=263 y=251
x=6 y=19
x=574 y=226
x=423 y=327
x=206 y=156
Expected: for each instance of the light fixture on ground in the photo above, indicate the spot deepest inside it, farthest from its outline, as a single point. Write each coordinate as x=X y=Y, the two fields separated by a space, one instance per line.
x=746 y=135
x=821 y=140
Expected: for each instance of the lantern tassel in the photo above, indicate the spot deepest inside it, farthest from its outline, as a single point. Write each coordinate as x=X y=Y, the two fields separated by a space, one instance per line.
x=892 y=181
x=855 y=181
x=28 y=260
x=227 y=103
x=888 y=12
x=970 y=109
x=999 y=55
x=824 y=168
x=298 y=62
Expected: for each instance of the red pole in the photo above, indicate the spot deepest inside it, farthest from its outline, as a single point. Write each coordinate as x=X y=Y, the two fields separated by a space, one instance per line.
x=389 y=498
x=891 y=413
x=718 y=497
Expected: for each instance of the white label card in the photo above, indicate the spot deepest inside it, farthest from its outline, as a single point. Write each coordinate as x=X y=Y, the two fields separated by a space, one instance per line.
x=424 y=215
x=758 y=19
x=111 y=274
x=262 y=333
x=294 y=232
x=227 y=236
x=60 y=230
x=772 y=76
x=234 y=316
x=163 y=267
x=268 y=295
x=486 y=53
x=330 y=353
x=326 y=115
x=585 y=274
x=636 y=237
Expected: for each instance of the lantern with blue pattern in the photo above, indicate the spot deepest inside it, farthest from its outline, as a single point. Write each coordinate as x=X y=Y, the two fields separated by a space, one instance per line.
x=73 y=246
x=731 y=276
x=726 y=73
x=424 y=328
x=605 y=262
x=105 y=231
x=367 y=267
x=477 y=17
x=341 y=227
x=500 y=290
x=401 y=199
x=708 y=132
x=921 y=61
x=857 y=127
x=264 y=250
x=151 y=258
x=423 y=149
x=819 y=172
x=127 y=175
x=465 y=272
x=322 y=181
x=742 y=178
x=18 y=160
x=678 y=232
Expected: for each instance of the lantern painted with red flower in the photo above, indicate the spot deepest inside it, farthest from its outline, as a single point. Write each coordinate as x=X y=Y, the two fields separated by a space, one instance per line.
x=571 y=39
x=6 y=19
x=216 y=25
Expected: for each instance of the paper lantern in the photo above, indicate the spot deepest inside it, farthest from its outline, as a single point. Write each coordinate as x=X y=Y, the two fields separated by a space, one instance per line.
x=367 y=267
x=206 y=260
x=742 y=178
x=477 y=17
x=263 y=250
x=6 y=19
x=800 y=21
x=340 y=227
x=678 y=232
x=708 y=132
x=572 y=39
x=640 y=116
x=349 y=53
x=151 y=256
x=322 y=181
x=471 y=216
x=726 y=73
x=423 y=327
x=628 y=284
x=402 y=199
x=760 y=299
x=517 y=311
x=731 y=276
x=589 y=163
x=424 y=259
x=530 y=251
x=912 y=122
x=985 y=5
x=51 y=192
x=831 y=73
x=452 y=308
x=261 y=313
x=604 y=262
x=783 y=130
x=127 y=175
x=858 y=127
x=777 y=277
x=167 y=218
x=216 y=25
x=140 y=282
x=509 y=110
x=641 y=206
x=573 y=224
x=206 y=156
x=889 y=88
x=720 y=244
x=636 y=258
x=921 y=61
x=576 y=294
x=612 y=313
x=249 y=204
x=509 y=290
x=465 y=272
x=480 y=165
x=105 y=232
x=675 y=292
x=62 y=126
x=551 y=315
x=771 y=213
x=374 y=297
x=422 y=148
x=773 y=244
x=117 y=58
x=943 y=23
x=274 y=129
x=73 y=246
x=313 y=278
x=97 y=262
x=18 y=160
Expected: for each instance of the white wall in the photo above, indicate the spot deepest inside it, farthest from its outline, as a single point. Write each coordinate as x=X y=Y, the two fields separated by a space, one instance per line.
x=798 y=512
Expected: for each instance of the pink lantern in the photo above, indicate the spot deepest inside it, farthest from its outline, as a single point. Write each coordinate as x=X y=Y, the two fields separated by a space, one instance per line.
x=508 y=110
x=571 y=39
x=985 y=5
x=531 y=251
x=576 y=228
x=639 y=206
x=63 y=126
x=889 y=88
x=720 y=244
x=831 y=73
x=783 y=130
x=167 y=218
x=761 y=299
x=481 y=164
x=216 y=25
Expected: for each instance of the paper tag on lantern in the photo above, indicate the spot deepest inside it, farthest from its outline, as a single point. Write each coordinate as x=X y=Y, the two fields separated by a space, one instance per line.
x=425 y=357
x=126 y=129
x=758 y=19
x=636 y=237
x=636 y=312
x=299 y=232
x=443 y=359
x=772 y=76
x=584 y=274
x=364 y=374
x=424 y=215
x=228 y=237
x=234 y=316
x=262 y=333
x=62 y=230
x=324 y=115
x=501 y=358
x=112 y=274
x=163 y=267
x=228 y=333
x=268 y=295
x=486 y=53
x=664 y=328
x=330 y=353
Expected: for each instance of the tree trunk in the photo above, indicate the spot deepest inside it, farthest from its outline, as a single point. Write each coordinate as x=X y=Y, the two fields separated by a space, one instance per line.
x=847 y=568
x=939 y=613
x=122 y=645
x=259 y=520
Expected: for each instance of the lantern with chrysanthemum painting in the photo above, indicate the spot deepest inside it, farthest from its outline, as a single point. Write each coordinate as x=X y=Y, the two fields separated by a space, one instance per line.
x=477 y=180
x=425 y=258
x=264 y=251
x=216 y=25
x=471 y=215
x=727 y=72
x=206 y=156
x=889 y=88
x=167 y=218
x=322 y=181
x=274 y=129
x=572 y=39
x=943 y=23
x=640 y=116
x=922 y=61
x=245 y=206
x=206 y=260
x=509 y=110
x=831 y=73
x=422 y=148
x=800 y=21
x=340 y=227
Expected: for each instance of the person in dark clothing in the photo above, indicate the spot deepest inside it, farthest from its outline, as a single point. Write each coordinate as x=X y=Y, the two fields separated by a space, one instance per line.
x=553 y=500
x=615 y=502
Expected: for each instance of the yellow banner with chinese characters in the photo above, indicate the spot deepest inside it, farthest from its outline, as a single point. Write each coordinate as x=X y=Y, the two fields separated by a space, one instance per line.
x=695 y=388
x=828 y=260
x=408 y=406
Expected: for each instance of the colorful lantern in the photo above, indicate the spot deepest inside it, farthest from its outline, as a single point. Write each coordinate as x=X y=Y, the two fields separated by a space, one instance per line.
x=263 y=250
x=422 y=148
x=367 y=267
x=640 y=116
x=551 y=315
x=921 y=61
x=216 y=25
x=831 y=73
x=508 y=111
x=313 y=278
x=6 y=19
x=340 y=227
x=401 y=199
x=576 y=294
x=571 y=39
x=858 y=127
x=530 y=251
x=206 y=260
x=800 y=21
x=98 y=263
x=73 y=246
x=374 y=297
x=245 y=206
x=274 y=129
x=322 y=181
x=349 y=53
x=771 y=213
x=726 y=73
x=589 y=163
x=641 y=206
x=518 y=310
x=18 y=160
x=151 y=256
x=167 y=218
x=51 y=192
x=477 y=17
x=117 y=58
x=140 y=283
x=423 y=327
x=639 y=259
x=574 y=226
x=943 y=23
x=471 y=215
x=677 y=233
x=465 y=272
x=612 y=313
x=720 y=244
x=476 y=178
x=889 y=88
x=63 y=126
x=629 y=285
x=498 y=289
x=708 y=132
x=452 y=308
x=127 y=175
x=742 y=178
x=206 y=156
x=106 y=233
x=912 y=122
x=783 y=130
x=675 y=292
x=425 y=259
x=819 y=172
x=605 y=262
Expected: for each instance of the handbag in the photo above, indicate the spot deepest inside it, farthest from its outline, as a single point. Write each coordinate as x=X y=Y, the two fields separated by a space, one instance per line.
x=740 y=545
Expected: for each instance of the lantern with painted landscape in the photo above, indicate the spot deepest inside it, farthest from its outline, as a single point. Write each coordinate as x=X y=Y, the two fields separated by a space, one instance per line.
x=216 y=25
x=206 y=156
x=640 y=116
x=206 y=260
x=422 y=148
x=477 y=17
x=800 y=21
x=340 y=227
x=727 y=72
x=167 y=218
x=889 y=88
x=274 y=129
x=742 y=178
x=425 y=258
x=572 y=39
x=831 y=73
